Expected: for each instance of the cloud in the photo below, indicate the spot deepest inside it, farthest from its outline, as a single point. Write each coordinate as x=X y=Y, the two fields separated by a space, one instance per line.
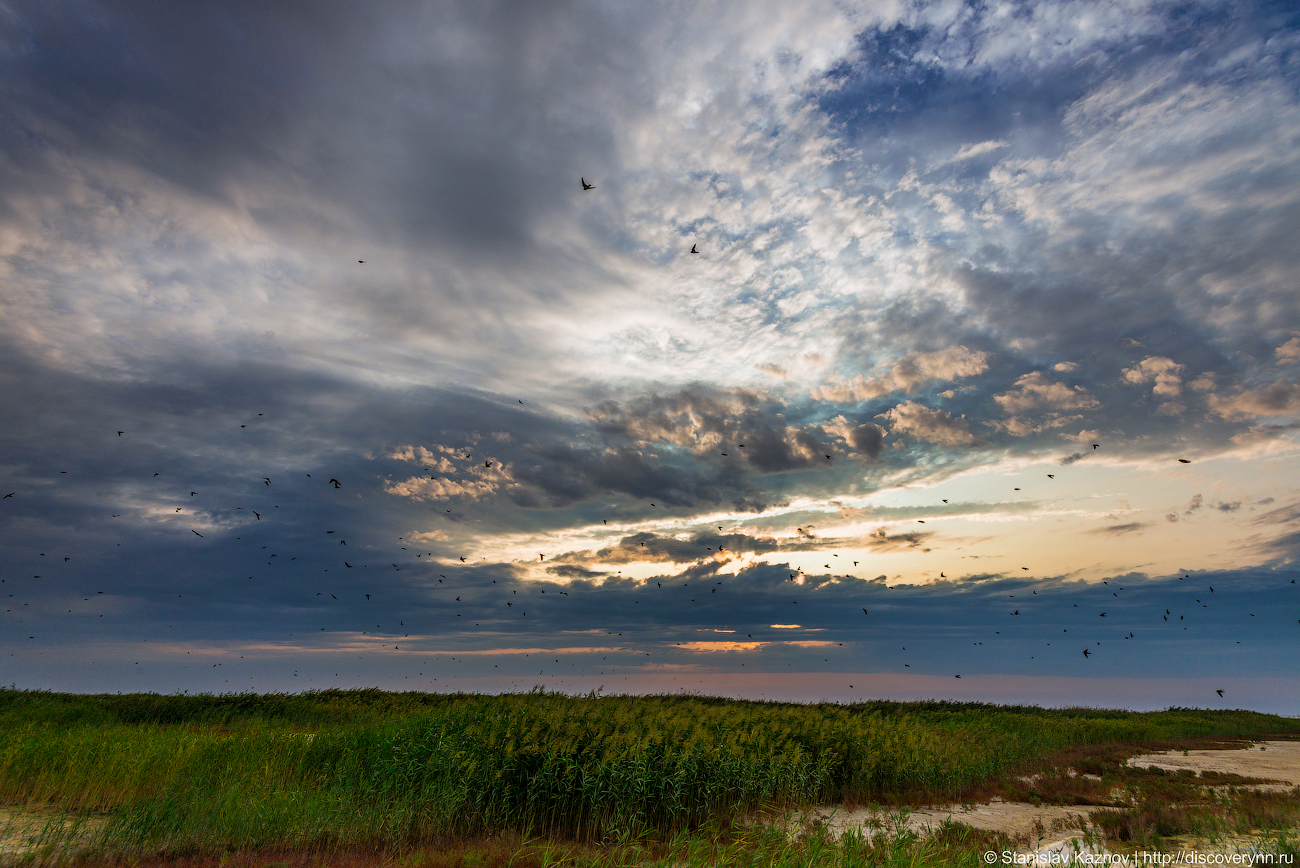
x=1289 y=351
x=1127 y=528
x=907 y=374
x=978 y=148
x=942 y=202
x=881 y=540
x=1258 y=434
x=1278 y=397
x=1035 y=391
x=1164 y=372
x=647 y=547
x=929 y=425
x=866 y=438
x=482 y=482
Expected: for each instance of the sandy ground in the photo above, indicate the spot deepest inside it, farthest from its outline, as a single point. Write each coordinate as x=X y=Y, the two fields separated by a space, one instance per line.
x=24 y=831
x=1049 y=826
x=1039 y=823
x=1272 y=760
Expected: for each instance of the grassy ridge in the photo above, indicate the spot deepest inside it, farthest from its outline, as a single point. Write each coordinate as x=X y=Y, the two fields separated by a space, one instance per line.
x=365 y=768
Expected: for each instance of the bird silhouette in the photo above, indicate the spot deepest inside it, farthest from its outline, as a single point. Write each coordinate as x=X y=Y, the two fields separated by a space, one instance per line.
x=1220 y=692
x=258 y=514
x=585 y=185
x=693 y=250
x=335 y=483
x=1183 y=461
x=12 y=493
x=1087 y=653
x=195 y=532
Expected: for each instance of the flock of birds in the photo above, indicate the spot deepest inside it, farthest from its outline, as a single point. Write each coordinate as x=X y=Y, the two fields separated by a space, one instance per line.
x=476 y=582
x=471 y=581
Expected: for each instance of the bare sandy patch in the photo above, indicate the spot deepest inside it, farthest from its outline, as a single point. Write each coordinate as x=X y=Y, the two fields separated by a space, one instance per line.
x=1277 y=761
x=1035 y=824
x=28 y=834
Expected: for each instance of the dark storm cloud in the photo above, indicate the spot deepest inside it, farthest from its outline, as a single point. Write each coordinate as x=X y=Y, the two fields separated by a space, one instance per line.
x=868 y=439
x=218 y=94
x=1151 y=626
x=975 y=237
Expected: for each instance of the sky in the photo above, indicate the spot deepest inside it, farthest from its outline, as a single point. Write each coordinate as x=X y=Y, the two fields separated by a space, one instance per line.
x=897 y=350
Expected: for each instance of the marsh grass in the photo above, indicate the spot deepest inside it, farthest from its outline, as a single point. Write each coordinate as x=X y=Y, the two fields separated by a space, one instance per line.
x=366 y=771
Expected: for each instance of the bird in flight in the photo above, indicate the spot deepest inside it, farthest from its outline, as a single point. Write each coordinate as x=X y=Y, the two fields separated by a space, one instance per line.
x=585 y=185
x=195 y=532
x=1220 y=692
x=1096 y=445
x=1183 y=461
x=335 y=483
x=120 y=433
x=10 y=494
x=258 y=514
x=693 y=250
x=462 y=559
x=1087 y=653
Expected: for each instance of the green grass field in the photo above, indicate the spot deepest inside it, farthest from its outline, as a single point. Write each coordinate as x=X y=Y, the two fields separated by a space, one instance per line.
x=367 y=771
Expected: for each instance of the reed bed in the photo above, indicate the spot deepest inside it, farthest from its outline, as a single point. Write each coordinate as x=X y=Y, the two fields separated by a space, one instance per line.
x=350 y=769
